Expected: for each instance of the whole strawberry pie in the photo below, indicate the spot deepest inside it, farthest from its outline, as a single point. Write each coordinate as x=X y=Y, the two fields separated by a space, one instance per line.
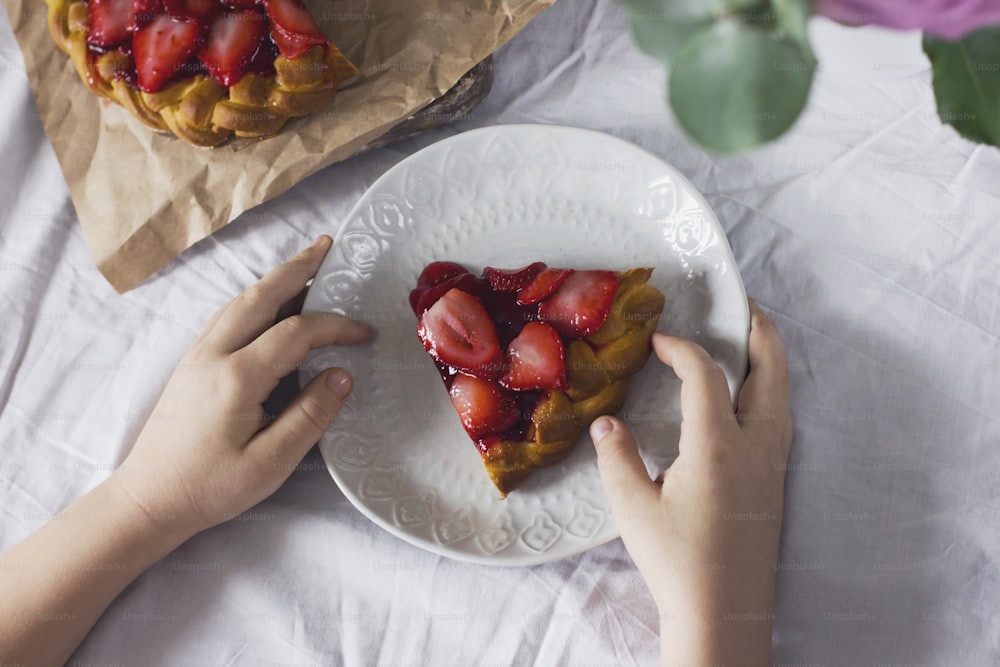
x=531 y=356
x=205 y=70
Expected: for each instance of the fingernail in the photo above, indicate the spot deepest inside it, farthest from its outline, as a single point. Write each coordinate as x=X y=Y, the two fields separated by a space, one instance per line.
x=600 y=428
x=320 y=240
x=339 y=382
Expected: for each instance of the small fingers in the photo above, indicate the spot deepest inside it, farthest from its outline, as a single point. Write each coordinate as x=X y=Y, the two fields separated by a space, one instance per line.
x=282 y=348
x=764 y=399
x=210 y=325
x=253 y=312
x=627 y=485
x=705 y=400
x=287 y=439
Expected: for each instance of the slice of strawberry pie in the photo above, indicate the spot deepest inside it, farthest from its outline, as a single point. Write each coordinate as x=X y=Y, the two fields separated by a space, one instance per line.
x=531 y=356
x=203 y=69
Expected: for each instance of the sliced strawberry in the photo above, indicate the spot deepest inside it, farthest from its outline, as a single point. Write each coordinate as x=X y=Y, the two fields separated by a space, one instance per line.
x=232 y=41
x=511 y=280
x=415 y=295
x=436 y=273
x=426 y=298
x=581 y=304
x=544 y=284
x=144 y=11
x=535 y=359
x=243 y=4
x=162 y=49
x=458 y=332
x=293 y=46
x=202 y=11
x=286 y=45
x=483 y=406
x=108 y=22
x=295 y=30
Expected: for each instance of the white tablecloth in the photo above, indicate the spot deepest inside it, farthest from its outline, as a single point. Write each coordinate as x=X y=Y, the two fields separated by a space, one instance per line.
x=869 y=233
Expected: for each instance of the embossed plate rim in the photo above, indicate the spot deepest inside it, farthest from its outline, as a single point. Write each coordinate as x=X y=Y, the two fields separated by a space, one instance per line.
x=565 y=543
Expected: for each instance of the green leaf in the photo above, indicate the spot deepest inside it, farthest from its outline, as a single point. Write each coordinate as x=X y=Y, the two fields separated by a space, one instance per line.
x=735 y=86
x=967 y=83
x=662 y=37
x=793 y=18
x=686 y=9
x=662 y=27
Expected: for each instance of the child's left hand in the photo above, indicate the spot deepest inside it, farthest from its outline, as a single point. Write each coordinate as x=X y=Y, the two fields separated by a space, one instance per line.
x=206 y=453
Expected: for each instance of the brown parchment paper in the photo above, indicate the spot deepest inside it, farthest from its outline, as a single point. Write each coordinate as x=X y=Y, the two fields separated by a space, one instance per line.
x=143 y=197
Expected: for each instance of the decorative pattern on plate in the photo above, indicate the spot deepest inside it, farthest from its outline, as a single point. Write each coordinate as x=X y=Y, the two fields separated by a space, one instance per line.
x=456 y=527
x=377 y=485
x=501 y=196
x=497 y=536
x=586 y=521
x=542 y=533
x=413 y=511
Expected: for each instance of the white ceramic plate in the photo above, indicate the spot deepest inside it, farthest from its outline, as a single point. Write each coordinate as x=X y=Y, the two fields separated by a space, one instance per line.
x=507 y=196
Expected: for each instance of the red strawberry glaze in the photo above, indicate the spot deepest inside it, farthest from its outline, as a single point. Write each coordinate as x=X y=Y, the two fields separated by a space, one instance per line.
x=497 y=291
x=115 y=29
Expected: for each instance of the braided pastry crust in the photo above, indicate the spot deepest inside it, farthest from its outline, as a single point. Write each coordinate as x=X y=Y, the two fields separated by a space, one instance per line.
x=199 y=110
x=598 y=370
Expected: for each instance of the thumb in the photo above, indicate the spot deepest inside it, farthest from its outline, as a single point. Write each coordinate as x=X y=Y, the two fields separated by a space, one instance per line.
x=623 y=474
x=300 y=425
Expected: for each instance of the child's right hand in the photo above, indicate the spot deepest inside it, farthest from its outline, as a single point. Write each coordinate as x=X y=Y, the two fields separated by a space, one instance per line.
x=706 y=543
x=207 y=454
